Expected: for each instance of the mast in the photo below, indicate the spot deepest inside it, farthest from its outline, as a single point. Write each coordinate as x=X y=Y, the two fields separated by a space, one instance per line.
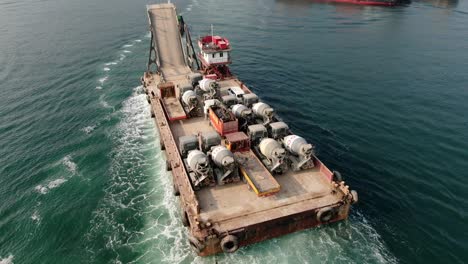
x=212 y=41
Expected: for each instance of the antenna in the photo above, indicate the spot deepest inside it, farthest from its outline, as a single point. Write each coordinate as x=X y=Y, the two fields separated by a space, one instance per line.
x=212 y=40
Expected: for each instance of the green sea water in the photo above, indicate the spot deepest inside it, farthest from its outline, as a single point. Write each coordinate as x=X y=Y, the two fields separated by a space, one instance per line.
x=381 y=92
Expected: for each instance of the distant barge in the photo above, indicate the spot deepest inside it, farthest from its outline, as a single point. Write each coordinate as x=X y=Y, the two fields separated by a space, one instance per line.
x=364 y=2
x=241 y=175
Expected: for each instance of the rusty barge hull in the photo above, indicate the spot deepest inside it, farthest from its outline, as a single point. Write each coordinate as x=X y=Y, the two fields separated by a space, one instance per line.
x=222 y=218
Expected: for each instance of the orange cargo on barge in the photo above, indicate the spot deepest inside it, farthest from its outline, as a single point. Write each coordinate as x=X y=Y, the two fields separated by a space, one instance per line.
x=241 y=175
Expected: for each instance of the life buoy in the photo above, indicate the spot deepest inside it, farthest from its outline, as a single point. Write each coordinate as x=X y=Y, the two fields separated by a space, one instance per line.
x=196 y=244
x=229 y=244
x=325 y=214
x=337 y=176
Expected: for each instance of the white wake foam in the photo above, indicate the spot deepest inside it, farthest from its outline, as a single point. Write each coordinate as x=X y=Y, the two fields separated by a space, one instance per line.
x=126 y=191
x=7 y=260
x=69 y=165
x=122 y=56
x=41 y=189
x=89 y=129
x=44 y=189
x=56 y=183
x=103 y=102
x=35 y=216
x=163 y=237
x=103 y=79
x=351 y=241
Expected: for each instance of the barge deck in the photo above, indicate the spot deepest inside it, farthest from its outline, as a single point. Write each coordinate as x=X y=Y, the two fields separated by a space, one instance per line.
x=225 y=216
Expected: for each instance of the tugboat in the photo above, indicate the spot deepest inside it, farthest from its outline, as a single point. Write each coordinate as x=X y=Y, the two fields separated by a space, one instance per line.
x=242 y=176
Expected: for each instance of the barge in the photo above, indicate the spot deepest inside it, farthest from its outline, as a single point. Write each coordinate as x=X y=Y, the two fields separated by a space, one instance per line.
x=242 y=176
x=364 y=2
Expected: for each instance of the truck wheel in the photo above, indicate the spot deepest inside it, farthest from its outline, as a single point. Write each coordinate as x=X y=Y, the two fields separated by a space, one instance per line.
x=337 y=176
x=325 y=214
x=229 y=244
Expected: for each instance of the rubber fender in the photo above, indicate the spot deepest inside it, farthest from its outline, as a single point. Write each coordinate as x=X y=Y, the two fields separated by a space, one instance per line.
x=325 y=214
x=175 y=190
x=152 y=113
x=185 y=221
x=168 y=165
x=337 y=176
x=161 y=144
x=355 y=197
x=229 y=244
x=196 y=244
